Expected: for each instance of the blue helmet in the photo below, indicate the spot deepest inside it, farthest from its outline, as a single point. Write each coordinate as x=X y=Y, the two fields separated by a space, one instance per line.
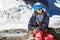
x=37 y=6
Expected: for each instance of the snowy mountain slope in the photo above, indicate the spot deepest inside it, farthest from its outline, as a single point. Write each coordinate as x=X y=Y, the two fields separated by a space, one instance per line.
x=15 y=17
x=54 y=21
x=54 y=11
x=16 y=14
x=57 y=4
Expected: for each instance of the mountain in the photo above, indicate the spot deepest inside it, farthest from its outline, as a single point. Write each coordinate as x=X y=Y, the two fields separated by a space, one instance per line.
x=15 y=14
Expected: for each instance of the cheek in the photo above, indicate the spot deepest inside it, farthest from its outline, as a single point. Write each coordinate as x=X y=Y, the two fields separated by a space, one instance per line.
x=40 y=11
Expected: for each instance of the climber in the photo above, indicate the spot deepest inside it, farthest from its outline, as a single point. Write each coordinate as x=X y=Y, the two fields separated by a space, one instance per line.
x=39 y=21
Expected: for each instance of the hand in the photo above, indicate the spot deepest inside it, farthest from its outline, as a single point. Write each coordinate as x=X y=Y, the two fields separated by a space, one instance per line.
x=34 y=31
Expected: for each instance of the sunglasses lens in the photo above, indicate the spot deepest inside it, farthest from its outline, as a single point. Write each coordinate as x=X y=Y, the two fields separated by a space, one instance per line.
x=39 y=9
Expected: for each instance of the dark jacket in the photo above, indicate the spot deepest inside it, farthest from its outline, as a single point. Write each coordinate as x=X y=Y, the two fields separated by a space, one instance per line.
x=33 y=23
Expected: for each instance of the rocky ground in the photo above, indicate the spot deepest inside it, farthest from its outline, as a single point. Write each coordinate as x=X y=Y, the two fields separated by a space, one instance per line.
x=55 y=32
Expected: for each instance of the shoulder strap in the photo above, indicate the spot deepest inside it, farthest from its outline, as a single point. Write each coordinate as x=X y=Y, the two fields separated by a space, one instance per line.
x=45 y=14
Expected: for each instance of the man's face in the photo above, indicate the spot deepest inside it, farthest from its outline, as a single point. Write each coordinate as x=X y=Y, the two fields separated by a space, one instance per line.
x=39 y=11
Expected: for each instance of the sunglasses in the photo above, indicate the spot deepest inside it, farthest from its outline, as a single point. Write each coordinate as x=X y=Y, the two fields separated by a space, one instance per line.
x=40 y=9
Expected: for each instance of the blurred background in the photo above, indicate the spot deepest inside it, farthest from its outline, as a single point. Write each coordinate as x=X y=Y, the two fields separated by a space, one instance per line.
x=15 y=14
x=18 y=12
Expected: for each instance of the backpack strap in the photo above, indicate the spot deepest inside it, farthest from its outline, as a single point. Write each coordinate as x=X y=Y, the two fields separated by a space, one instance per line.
x=44 y=17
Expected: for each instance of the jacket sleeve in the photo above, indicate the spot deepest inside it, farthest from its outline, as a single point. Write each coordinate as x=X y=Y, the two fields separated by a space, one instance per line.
x=31 y=24
x=45 y=23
